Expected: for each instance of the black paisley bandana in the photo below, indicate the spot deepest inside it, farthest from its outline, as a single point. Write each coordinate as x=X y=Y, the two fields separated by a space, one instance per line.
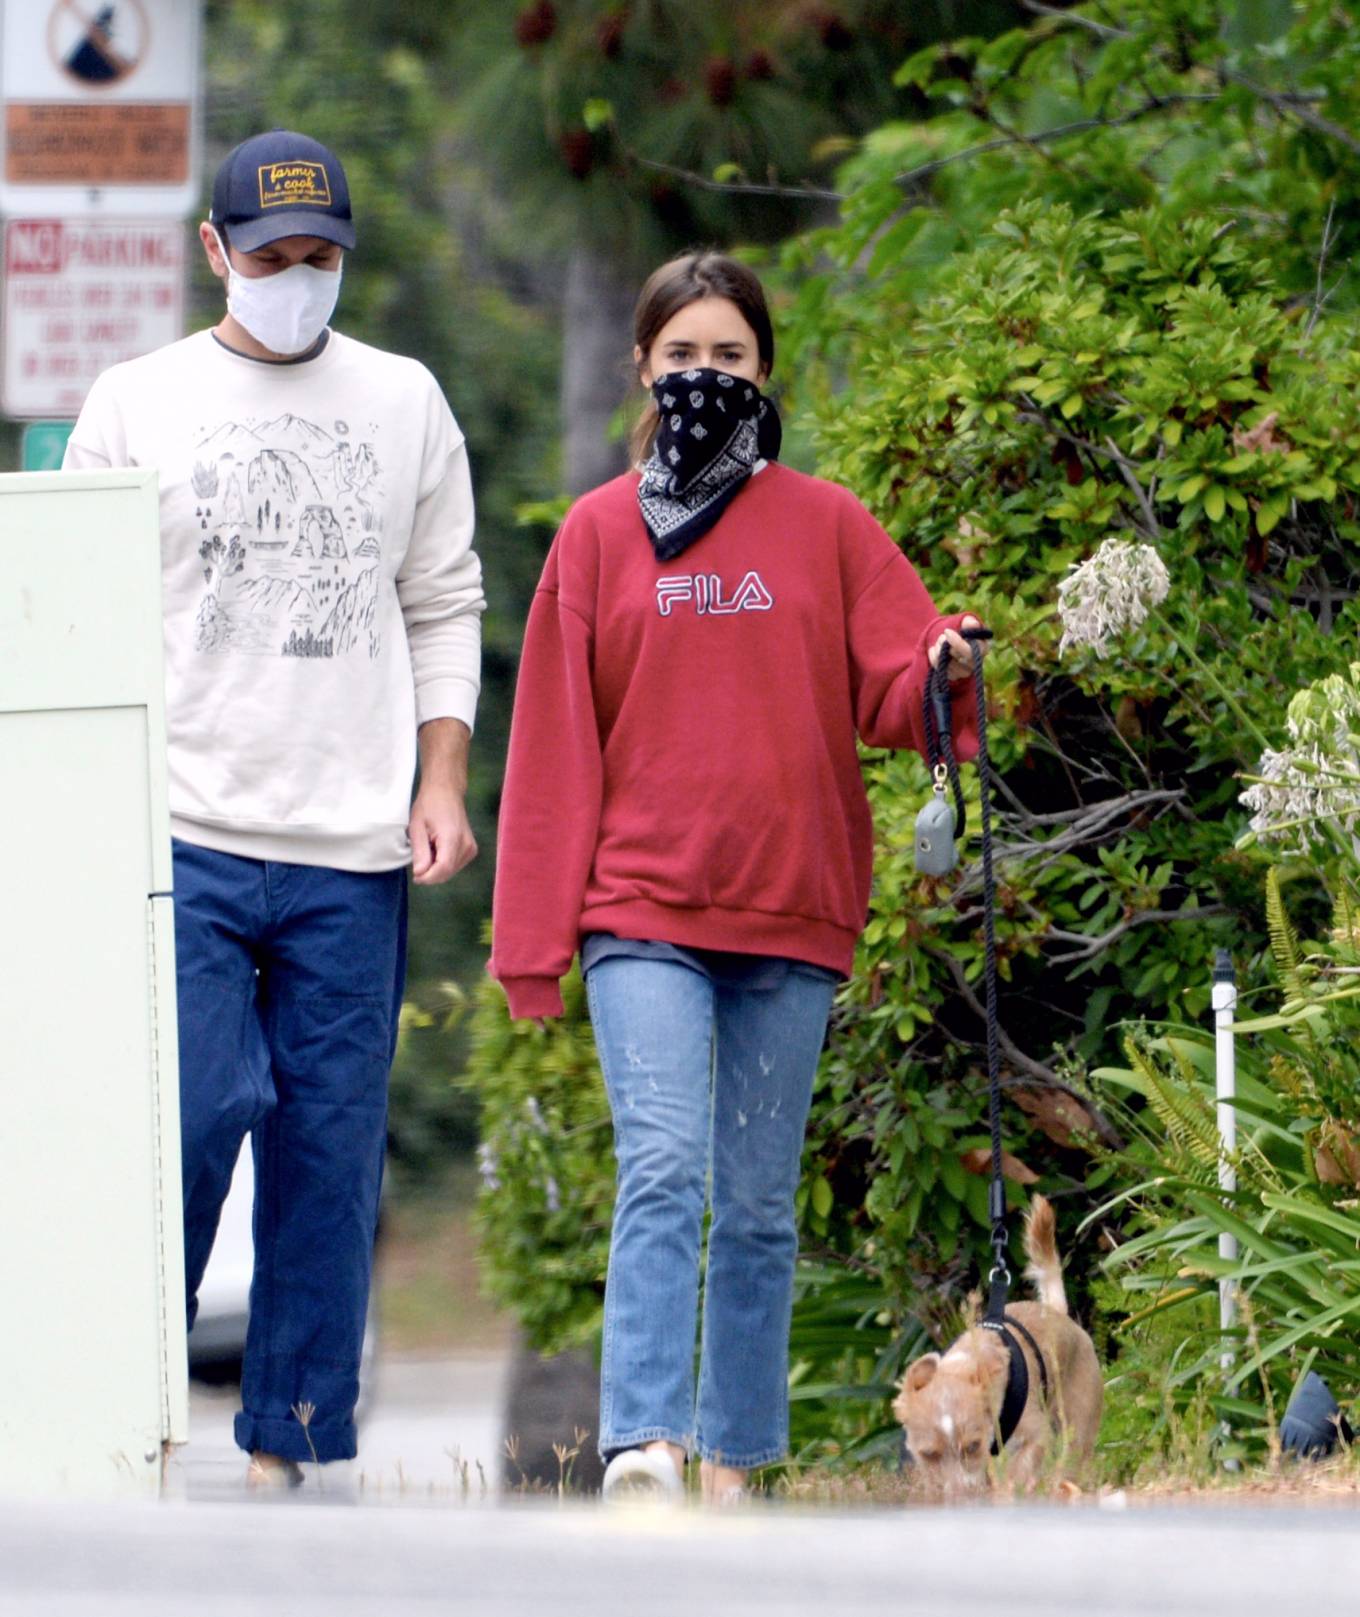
x=714 y=428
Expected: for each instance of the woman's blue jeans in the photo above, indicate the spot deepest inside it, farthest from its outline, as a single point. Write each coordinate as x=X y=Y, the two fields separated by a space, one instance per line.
x=702 y=1075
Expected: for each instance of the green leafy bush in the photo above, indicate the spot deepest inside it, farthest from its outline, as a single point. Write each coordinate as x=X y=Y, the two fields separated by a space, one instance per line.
x=1073 y=379
x=547 y=1166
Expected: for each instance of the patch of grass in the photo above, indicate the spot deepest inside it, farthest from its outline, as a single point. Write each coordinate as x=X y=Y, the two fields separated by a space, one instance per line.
x=429 y=1287
x=1335 y=1481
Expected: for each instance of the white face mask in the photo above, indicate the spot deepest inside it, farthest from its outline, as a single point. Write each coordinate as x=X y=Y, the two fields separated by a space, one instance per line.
x=286 y=311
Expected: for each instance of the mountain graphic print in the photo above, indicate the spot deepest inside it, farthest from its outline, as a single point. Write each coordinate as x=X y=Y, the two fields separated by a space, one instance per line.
x=289 y=517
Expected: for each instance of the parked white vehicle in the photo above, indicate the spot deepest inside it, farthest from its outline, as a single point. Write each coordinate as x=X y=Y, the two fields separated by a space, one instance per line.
x=217 y=1342
x=219 y=1333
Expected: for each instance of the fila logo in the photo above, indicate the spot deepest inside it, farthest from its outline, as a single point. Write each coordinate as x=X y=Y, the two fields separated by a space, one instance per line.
x=705 y=590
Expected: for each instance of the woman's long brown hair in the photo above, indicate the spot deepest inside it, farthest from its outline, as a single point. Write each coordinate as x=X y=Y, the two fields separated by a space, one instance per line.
x=675 y=286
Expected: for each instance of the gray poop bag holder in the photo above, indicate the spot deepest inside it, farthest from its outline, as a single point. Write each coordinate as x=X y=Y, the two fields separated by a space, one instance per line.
x=939 y=826
x=936 y=850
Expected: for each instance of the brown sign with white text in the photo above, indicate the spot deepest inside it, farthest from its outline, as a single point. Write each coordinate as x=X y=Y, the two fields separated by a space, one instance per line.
x=116 y=143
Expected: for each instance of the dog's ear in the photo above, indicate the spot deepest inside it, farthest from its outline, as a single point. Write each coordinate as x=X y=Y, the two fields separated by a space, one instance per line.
x=921 y=1372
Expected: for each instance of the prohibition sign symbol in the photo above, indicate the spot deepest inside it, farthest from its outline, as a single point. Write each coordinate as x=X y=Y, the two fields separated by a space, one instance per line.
x=98 y=45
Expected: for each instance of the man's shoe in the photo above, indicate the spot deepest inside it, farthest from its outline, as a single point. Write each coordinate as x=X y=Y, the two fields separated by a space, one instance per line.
x=272 y=1471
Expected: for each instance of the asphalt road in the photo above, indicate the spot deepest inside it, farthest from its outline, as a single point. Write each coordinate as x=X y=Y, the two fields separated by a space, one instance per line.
x=304 y=1557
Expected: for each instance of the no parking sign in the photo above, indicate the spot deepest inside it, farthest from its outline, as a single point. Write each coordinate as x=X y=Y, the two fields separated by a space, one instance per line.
x=81 y=294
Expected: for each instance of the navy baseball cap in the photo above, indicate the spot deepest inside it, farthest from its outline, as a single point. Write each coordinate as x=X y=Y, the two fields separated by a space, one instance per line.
x=281 y=184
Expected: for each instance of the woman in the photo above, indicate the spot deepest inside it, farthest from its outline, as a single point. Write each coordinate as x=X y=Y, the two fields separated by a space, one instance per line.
x=683 y=803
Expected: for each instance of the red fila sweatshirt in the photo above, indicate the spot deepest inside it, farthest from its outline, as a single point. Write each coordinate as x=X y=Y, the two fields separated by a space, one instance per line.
x=682 y=756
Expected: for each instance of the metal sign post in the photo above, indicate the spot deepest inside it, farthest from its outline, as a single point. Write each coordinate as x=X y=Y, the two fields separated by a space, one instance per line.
x=1224 y=1001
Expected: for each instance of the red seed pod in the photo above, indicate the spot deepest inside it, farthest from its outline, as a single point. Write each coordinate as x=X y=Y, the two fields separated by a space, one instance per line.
x=760 y=65
x=720 y=80
x=536 y=24
x=609 y=35
x=578 y=152
x=835 y=35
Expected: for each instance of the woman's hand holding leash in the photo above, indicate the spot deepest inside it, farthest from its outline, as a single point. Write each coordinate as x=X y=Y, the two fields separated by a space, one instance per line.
x=960 y=650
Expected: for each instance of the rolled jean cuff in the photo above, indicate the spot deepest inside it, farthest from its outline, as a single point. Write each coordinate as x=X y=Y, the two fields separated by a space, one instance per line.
x=330 y=1440
x=742 y=1462
x=610 y=1445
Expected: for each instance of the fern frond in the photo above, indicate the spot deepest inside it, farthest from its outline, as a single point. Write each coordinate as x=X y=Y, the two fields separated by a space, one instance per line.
x=1295 y=1081
x=1255 y=1171
x=1345 y=920
x=1189 y=1121
x=1284 y=941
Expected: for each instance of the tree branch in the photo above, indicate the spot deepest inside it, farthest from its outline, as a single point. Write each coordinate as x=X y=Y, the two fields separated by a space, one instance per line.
x=1014 y=1054
x=915 y=176
x=701 y=182
x=1320 y=297
x=1027 y=1064
x=1289 y=105
x=1131 y=800
x=1091 y=947
x=1094 y=823
x=1099 y=29
x=1130 y=475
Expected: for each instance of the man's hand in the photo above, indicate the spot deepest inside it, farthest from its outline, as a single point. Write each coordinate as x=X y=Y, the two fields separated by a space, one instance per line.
x=960 y=650
x=441 y=838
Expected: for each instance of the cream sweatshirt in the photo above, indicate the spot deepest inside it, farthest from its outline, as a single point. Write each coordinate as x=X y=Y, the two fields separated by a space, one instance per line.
x=321 y=595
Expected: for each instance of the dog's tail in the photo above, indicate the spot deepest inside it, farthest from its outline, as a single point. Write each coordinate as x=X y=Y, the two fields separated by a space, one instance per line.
x=1041 y=1248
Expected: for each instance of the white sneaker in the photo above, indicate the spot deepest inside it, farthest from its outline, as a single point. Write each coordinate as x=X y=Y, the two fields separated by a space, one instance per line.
x=642 y=1476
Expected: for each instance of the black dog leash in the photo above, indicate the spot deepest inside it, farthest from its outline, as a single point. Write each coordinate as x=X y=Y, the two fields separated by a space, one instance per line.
x=937 y=854
x=939 y=728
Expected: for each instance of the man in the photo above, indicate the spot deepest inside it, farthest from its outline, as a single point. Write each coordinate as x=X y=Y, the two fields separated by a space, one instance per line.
x=322 y=608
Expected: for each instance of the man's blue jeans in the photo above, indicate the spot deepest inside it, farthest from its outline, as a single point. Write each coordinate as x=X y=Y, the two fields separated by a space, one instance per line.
x=700 y=1073
x=289 y=985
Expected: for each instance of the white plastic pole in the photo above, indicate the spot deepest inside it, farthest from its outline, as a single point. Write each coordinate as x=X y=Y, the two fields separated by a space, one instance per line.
x=1225 y=1006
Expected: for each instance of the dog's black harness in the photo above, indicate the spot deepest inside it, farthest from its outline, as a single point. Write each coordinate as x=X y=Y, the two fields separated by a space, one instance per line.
x=1017 y=1377
x=940 y=756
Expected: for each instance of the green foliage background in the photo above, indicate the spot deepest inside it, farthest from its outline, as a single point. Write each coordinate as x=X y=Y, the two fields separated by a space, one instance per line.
x=1091 y=294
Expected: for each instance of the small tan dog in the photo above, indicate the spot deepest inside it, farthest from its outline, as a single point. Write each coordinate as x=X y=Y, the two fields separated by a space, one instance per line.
x=950 y=1406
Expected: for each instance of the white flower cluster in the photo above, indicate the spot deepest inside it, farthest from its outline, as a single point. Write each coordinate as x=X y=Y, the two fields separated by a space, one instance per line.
x=1113 y=590
x=1315 y=781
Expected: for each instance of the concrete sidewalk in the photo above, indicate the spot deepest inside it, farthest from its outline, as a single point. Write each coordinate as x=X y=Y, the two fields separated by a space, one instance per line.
x=309 y=1559
x=433 y=1432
